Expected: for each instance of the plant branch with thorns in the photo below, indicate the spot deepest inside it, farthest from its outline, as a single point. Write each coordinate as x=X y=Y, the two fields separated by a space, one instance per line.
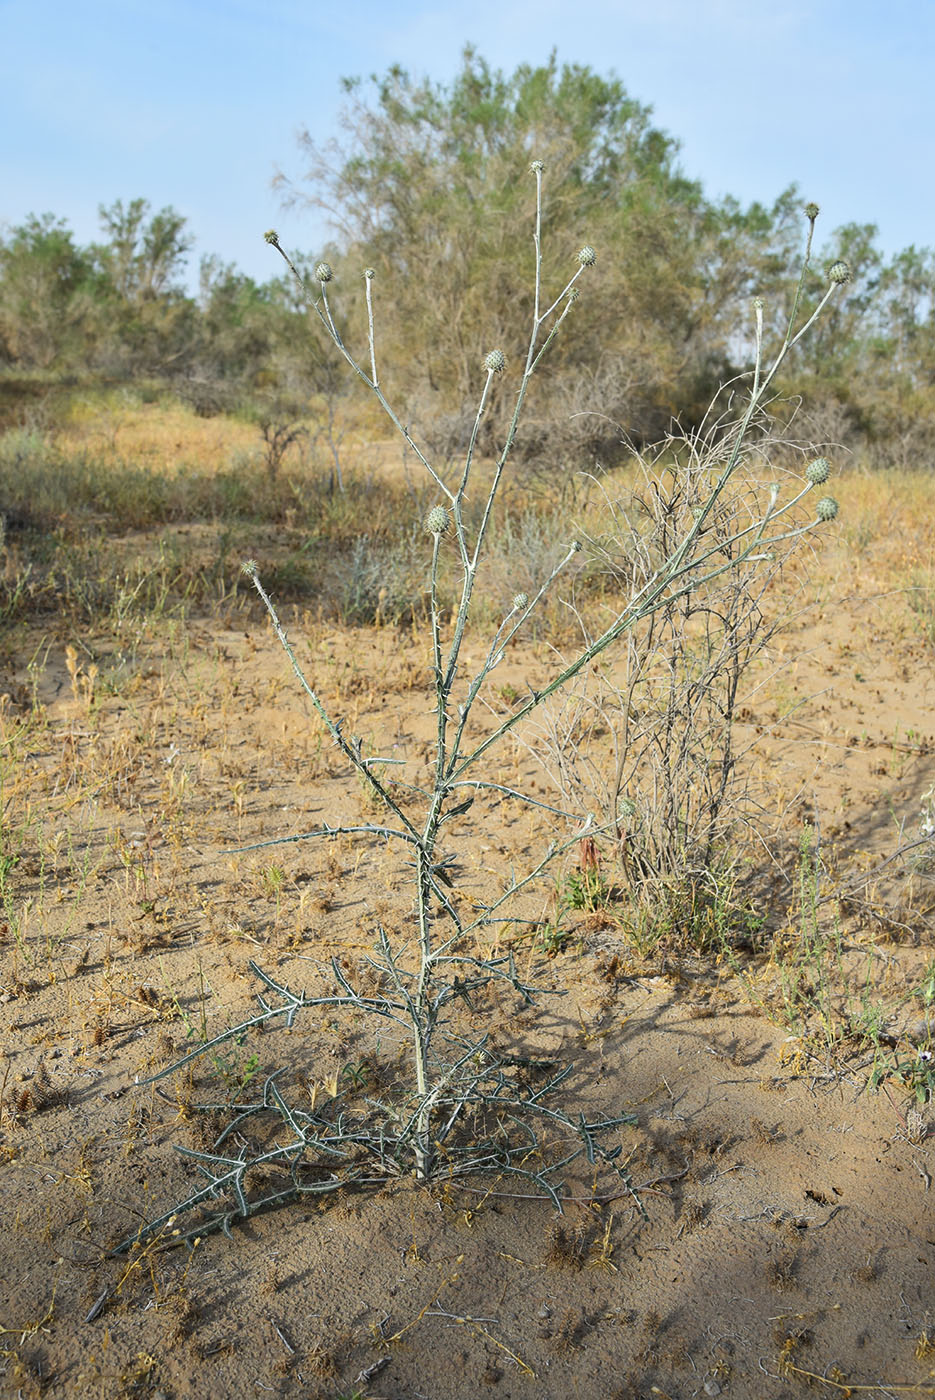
x=466 y=1109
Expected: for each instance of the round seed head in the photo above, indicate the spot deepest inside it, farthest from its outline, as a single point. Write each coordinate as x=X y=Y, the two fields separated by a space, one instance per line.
x=494 y=361
x=758 y=303
x=323 y=272
x=818 y=471
x=811 y=212
x=370 y=273
x=827 y=508
x=271 y=236
x=574 y=294
x=839 y=273
x=521 y=601
x=537 y=167
x=587 y=256
x=437 y=521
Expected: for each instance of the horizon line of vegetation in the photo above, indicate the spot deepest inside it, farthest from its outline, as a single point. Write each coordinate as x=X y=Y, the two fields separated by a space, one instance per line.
x=425 y=188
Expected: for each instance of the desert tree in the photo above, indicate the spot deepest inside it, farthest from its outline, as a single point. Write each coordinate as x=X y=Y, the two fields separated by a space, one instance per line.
x=426 y=185
x=47 y=293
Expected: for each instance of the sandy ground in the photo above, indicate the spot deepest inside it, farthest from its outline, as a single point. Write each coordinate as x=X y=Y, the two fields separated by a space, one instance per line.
x=780 y=1234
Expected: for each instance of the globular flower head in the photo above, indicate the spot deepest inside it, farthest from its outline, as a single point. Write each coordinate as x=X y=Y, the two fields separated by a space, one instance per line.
x=811 y=212
x=370 y=273
x=839 y=272
x=323 y=272
x=587 y=256
x=537 y=167
x=271 y=236
x=521 y=601
x=827 y=508
x=818 y=471
x=758 y=303
x=494 y=361
x=249 y=567
x=437 y=521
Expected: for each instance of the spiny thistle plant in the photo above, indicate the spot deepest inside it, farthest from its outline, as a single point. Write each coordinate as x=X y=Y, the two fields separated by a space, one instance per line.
x=468 y=1107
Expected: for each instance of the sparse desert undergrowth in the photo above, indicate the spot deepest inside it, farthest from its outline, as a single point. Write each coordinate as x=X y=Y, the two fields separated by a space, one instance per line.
x=127 y=937
x=161 y=781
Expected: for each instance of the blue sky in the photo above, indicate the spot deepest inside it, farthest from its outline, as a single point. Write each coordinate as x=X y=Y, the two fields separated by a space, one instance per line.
x=196 y=103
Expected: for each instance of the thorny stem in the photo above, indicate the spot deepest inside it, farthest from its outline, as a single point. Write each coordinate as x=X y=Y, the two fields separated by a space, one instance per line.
x=349 y=750
x=758 y=355
x=801 y=283
x=437 y=660
x=370 y=337
x=371 y=384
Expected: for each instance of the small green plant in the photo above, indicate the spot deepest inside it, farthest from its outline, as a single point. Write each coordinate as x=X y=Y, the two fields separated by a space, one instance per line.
x=911 y=1062
x=356 y=1075
x=234 y=1071
x=913 y=1070
x=811 y=970
x=584 y=888
x=921 y=599
x=11 y=842
x=509 y=694
x=236 y=1074
x=829 y=1011
x=274 y=879
x=553 y=939
x=467 y=1106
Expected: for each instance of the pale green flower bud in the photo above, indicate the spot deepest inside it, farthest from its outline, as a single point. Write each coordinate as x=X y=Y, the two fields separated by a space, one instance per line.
x=811 y=212
x=271 y=236
x=827 y=508
x=587 y=256
x=437 y=521
x=839 y=273
x=537 y=167
x=521 y=601
x=323 y=272
x=818 y=471
x=494 y=362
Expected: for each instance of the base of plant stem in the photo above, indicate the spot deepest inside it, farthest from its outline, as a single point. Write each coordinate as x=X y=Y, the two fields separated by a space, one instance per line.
x=486 y=1114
